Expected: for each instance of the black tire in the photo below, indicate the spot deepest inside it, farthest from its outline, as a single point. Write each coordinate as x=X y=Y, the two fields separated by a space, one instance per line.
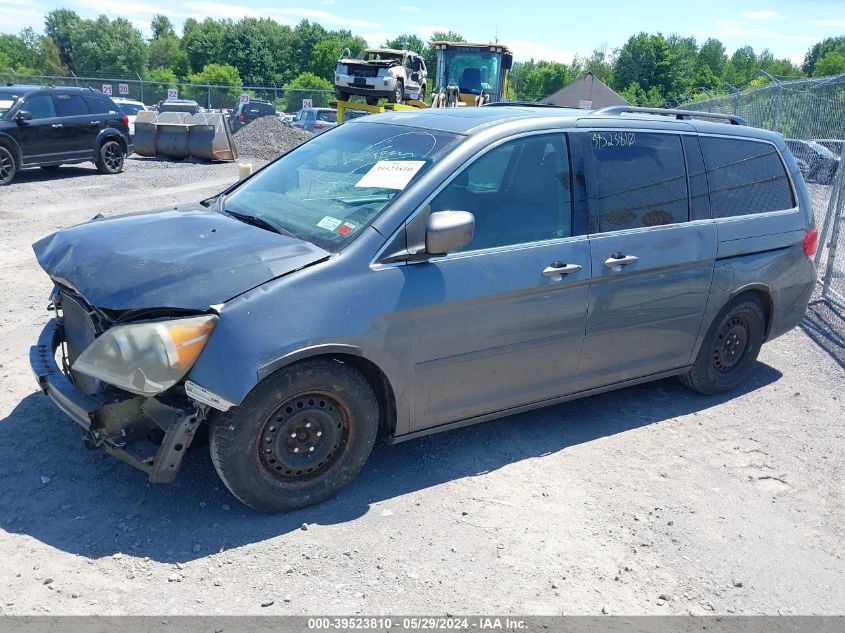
x=110 y=157
x=297 y=438
x=372 y=101
x=730 y=348
x=398 y=94
x=422 y=92
x=340 y=95
x=50 y=167
x=8 y=168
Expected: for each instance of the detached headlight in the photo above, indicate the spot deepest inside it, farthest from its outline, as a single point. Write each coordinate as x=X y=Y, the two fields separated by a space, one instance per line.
x=341 y=69
x=146 y=358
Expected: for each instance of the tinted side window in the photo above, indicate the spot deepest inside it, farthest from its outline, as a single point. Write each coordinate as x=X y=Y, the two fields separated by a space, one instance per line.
x=40 y=106
x=745 y=177
x=519 y=192
x=640 y=179
x=98 y=105
x=70 y=105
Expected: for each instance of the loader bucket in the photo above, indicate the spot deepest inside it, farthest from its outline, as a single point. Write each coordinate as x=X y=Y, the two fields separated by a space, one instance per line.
x=179 y=135
x=209 y=137
x=146 y=133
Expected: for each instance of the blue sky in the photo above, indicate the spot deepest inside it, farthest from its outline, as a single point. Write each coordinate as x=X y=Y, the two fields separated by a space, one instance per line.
x=543 y=30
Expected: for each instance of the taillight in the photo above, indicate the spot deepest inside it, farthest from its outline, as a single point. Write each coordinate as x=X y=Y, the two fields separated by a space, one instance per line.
x=241 y=118
x=319 y=126
x=811 y=242
x=125 y=120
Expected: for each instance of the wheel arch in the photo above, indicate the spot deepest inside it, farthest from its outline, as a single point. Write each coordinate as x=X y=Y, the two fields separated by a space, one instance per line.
x=353 y=356
x=109 y=134
x=764 y=294
x=12 y=145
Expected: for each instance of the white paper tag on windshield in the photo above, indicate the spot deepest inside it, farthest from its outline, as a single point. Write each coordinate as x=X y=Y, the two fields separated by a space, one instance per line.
x=329 y=223
x=5 y=105
x=391 y=174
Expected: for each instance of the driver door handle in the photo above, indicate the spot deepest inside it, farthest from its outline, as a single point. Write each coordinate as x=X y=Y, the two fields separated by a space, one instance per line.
x=618 y=260
x=558 y=269
x=57 y=125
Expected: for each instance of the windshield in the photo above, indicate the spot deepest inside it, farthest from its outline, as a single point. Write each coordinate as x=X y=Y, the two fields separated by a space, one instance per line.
x=473 y=69
x=328 y=189
x=130 y=109
x=821 y=149
x=7 y=100
x=373 y=56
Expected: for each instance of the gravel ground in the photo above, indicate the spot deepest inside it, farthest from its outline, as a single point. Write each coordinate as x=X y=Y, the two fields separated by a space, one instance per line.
x=266 y=138
x=647 y=500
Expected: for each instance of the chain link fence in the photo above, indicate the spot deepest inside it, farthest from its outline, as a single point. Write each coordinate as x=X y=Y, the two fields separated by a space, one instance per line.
x=210 y=97
x=810 y=115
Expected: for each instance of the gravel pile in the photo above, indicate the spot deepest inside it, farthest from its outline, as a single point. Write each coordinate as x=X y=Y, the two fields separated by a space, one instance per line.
x=266 y=138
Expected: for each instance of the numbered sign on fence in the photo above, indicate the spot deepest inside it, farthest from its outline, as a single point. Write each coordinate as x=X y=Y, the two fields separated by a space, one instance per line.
x=307 y=103
x=123 y=89
x=245 y=99
x=172 y=93
x=107 y=89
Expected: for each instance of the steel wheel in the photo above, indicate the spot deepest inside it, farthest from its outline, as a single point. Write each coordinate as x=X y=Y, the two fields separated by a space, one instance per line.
x=304 y=437
x=731 y=345
x=7 y=166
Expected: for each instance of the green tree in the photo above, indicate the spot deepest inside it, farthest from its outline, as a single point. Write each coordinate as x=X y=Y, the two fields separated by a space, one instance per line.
x=306 y=86
x=644 y=60
x=161 y=26
x=328 y=51
x=833 y=63
x=600 y=64
x=105 y=47
x=59 y=25
x=258 y=48
x=166 y=51
x=202 y=42
x=712 y=55
x=217 y=75
x=742 y=67
x=407 y=42
x=819 y=50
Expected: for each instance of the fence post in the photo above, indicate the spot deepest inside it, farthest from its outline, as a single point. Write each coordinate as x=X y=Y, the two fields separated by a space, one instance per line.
x=141 y=83
x=208 y=100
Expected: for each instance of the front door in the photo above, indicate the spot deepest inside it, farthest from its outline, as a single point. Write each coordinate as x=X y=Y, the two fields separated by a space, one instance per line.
x=502 y=321
x=79 y=127
x=41 y=136
x=651 y=266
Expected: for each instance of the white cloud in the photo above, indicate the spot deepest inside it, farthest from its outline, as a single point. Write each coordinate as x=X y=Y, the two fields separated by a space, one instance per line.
x=524 y=50
x=327 y=2
x=763 y=15
x=285 y=16
x=123 y=9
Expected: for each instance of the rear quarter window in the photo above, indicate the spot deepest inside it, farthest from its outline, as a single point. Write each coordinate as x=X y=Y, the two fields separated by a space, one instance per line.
x=745 y=177
x=327 y=115
x=99 y=105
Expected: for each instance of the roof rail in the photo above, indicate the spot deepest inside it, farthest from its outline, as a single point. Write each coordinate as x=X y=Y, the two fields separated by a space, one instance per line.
x=521 y=103
x=678 y=114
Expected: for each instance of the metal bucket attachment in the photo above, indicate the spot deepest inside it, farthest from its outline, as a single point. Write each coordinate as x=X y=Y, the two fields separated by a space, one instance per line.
x=145 y=134
x=209 y=137
x=173 y=131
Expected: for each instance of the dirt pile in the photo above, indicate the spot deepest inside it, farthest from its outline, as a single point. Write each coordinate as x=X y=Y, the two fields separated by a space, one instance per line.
x=266 y=138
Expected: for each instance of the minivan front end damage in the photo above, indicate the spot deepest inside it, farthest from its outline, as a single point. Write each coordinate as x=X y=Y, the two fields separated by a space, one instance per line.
x=121 y=381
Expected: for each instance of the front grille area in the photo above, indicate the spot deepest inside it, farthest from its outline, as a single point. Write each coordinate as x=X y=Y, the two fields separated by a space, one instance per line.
x=363 y=71
x=80 y=332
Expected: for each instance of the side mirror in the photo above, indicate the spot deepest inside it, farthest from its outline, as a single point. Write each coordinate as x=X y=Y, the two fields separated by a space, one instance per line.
x=448 y=230
x=507 y=61
x=23 y=115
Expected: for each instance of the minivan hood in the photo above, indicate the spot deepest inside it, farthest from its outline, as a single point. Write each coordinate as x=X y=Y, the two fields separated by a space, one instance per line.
x=184 y=257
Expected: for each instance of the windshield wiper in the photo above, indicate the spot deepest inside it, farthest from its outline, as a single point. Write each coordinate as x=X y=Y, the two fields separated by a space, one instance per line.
x=260 y=222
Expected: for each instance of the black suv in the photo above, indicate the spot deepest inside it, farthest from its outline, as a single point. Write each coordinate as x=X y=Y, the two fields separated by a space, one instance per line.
x=45 y=127
x=247 y=113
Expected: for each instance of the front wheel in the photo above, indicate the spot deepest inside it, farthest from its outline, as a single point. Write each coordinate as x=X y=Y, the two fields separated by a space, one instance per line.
x=340 y=95
x=730 y=348
x=398 y=93
x=110 y=159
x=7 y=166
x=297 y=438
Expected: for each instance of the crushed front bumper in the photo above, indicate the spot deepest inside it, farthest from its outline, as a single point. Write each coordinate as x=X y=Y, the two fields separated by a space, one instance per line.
x=160 y=461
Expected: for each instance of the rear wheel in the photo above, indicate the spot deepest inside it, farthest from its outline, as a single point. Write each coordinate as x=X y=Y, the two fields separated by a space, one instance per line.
x=340 y=95
x=110 y=158
x=730 y=348
x=297 y=438
x=7 y=166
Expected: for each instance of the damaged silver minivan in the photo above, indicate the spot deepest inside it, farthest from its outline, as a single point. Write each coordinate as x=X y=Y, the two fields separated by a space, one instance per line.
x=418 y=271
